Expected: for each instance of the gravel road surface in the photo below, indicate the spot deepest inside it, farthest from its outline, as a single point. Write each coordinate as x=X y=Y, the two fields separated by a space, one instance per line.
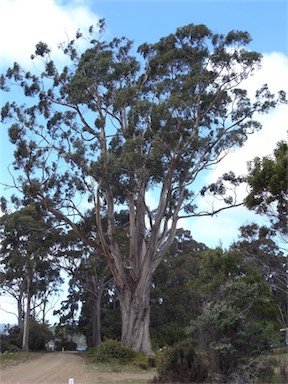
x=62 y=368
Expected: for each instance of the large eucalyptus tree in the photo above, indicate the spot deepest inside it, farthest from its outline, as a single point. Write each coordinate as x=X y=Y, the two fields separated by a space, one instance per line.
x=118 y=124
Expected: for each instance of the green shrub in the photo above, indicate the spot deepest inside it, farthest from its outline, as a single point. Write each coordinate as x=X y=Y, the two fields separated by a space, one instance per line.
x=39 y=335
x=111 y=351
x=11 y=338
x=180 y=364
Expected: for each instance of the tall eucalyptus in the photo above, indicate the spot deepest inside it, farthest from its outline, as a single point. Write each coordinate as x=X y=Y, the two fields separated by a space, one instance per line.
x=119 y=124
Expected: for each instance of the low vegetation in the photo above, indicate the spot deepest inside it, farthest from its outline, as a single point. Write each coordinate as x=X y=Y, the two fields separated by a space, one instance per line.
x=8 y=359
x=111 y=351
x=11 y=338
x=181 y=364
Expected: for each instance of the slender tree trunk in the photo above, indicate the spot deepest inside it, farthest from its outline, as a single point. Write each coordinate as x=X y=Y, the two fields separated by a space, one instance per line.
x=20 y=310
x=44 y=311
x=135 y=313
x=25 y=340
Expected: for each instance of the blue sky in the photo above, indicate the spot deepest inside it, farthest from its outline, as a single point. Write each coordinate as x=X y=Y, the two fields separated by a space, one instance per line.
x=147 y=21
x=25 y=22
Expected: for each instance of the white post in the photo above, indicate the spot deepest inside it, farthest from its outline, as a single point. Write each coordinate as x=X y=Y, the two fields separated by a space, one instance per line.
x=71 y=381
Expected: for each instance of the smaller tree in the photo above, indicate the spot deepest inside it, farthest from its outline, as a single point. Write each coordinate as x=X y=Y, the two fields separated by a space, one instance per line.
x=27 y=242
x=173 y=304
x=268 y=181
x=89 y=276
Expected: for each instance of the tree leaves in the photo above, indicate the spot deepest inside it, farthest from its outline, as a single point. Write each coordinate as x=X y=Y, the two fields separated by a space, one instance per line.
x=268 y=180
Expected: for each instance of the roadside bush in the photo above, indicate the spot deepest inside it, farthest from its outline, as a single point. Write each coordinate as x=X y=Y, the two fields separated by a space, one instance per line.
x=181 y=364
x=6 y=346
x=10 y=339
x=239 y=325
x=39 y=335
x=111 y=351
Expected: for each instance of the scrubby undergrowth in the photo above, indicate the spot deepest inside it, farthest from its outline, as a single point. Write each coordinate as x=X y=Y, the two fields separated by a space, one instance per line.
x=114 y=354
x=181 y=364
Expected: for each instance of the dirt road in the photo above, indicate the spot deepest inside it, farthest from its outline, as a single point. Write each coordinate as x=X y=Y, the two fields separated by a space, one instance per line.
x=58 y=368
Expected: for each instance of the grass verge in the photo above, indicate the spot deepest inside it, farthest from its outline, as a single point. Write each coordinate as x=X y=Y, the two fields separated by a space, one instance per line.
x=14 y=358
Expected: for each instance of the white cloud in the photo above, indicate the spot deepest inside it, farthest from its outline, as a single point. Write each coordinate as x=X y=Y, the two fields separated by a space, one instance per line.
x=25 y=23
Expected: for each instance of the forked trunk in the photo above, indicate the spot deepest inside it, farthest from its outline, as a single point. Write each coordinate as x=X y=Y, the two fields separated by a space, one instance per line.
x=135 y=313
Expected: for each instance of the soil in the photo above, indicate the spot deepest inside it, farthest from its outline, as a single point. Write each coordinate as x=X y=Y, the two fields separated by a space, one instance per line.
x=63 y=368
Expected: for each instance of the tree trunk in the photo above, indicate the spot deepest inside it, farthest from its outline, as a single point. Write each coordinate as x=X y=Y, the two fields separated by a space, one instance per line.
x=96 y=324
x=20 y=310
x=25 y=340
x=135 y=313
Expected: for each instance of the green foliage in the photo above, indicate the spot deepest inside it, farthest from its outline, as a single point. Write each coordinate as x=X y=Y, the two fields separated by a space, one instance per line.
x=268 y=180
x=173 y=305
x=259 y=246
x=181 y=364
x=10 y=339
x=39 y=336
x=112 y=351
x=28 y=239
x=239 y=314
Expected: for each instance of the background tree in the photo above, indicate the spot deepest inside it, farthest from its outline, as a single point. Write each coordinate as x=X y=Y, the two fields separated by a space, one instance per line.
x=259 y=248
x=268 y=181
x=89 y=276
x=112 y=126
x=266 y=247
x=173 y=304
x=27 y=241
x=239 y=314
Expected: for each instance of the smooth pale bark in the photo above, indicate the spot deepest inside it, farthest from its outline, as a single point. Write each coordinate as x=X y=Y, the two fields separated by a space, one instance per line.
x=25 y=340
